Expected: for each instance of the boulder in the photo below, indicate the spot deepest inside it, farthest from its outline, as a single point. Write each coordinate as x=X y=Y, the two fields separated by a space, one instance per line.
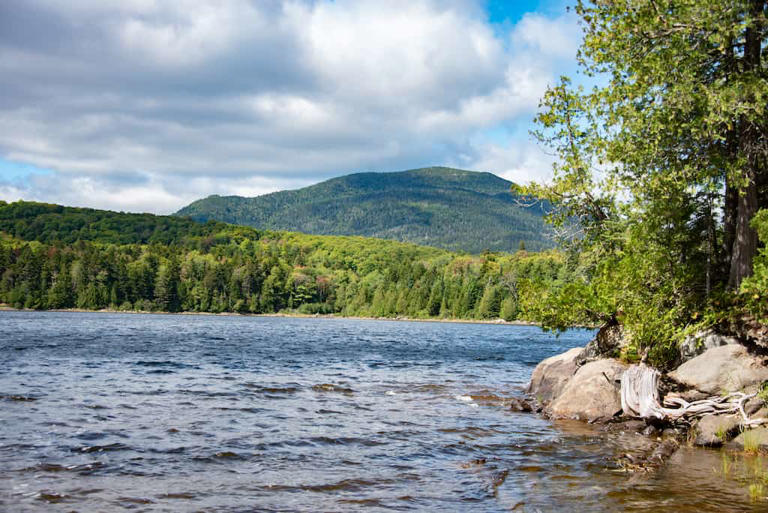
x=757 y=438
x=687 y=395
x=607 y=343
x=550 y=376
x=702 y=341
x=593 y=393
x=753 y=406
x=723 y=369
x=749 y=329
x=715 y=430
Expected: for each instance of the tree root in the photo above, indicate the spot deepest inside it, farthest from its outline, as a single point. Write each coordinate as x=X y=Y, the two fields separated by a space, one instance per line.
x=640 y=398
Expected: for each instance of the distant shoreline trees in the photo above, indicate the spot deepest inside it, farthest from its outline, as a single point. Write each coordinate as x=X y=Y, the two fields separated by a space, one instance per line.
x=54 y=257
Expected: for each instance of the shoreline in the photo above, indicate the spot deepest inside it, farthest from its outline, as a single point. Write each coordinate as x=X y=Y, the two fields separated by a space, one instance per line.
x=500 y=322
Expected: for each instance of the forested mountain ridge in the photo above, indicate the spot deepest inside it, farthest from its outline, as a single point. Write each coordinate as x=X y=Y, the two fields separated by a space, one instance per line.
x=46 y=222
x=442 y=207
x=62 y=257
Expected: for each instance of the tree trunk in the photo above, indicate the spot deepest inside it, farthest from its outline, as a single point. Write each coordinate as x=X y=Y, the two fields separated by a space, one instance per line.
x=745 y=242
x=730 y=213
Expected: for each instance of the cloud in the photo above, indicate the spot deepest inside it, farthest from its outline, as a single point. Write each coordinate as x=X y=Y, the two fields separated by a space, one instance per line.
x=134 y=192
x=550 y=37
x=147 y=105
x=518 y=161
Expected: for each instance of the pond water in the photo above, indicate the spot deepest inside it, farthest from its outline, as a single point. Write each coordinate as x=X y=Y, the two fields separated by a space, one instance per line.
x=111 y=412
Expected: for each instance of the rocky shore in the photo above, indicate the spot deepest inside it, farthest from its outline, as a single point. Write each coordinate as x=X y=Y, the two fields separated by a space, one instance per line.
x=586 y=384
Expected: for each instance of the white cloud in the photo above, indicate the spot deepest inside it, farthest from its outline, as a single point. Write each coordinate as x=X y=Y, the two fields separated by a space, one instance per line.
x=135 y=192
x=550 y=37
x=148 y=105
x=520 y=162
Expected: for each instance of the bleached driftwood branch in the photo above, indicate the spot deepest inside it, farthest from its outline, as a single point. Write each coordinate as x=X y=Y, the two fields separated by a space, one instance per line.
x=640 y=398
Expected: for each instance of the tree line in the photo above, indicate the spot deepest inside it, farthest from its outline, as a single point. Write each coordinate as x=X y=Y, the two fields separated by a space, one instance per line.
x=170 y=264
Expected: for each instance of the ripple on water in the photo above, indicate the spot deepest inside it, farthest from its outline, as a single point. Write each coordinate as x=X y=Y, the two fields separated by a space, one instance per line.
x=245 y=413
x=330 y=387
x=117 y=446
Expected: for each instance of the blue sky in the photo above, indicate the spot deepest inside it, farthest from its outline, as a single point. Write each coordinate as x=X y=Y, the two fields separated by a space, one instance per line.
x=143 y=106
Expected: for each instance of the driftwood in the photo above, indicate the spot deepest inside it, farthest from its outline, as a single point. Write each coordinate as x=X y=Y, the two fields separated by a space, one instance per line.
x=640 y=398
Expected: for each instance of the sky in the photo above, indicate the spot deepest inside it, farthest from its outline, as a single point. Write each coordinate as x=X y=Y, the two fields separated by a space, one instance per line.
x=147 y=105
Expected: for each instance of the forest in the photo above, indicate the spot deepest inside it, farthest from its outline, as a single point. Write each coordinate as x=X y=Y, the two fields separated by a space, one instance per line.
x=54 y=257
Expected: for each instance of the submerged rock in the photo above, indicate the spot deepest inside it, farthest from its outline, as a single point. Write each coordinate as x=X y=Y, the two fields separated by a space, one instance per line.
x=715 y=430
x=592 y=393
x=721 y=370
x=551 y=375
x=664 y=451
x=521 y=405
x=649 y=459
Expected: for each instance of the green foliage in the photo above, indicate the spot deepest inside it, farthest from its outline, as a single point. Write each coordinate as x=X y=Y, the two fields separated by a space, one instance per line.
x=660 y=170
x=55 y=223
x=754 y=290
x=223 y=268
x=762 y=394
x=441 y=207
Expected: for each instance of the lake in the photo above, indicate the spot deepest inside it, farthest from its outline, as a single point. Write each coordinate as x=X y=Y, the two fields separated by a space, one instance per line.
x=112 y=412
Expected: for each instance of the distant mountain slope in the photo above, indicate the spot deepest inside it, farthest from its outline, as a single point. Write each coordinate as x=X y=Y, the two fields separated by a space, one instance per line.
x=50 y=223
x=448 y=208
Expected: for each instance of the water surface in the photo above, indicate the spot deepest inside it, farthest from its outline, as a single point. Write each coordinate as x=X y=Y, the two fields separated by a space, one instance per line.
x=110 y=412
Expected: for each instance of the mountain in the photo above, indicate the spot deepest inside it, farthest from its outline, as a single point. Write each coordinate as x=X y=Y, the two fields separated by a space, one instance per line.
x=437 y=206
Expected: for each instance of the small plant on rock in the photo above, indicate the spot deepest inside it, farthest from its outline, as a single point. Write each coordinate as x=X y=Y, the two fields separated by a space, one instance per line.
x=722 y=433
x=762 y=394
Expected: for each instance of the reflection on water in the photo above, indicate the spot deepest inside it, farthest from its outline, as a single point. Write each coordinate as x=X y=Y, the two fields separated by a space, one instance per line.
x=105 y=412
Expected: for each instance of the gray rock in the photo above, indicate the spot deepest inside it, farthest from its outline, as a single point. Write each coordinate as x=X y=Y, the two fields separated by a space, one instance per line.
x=650 y=430
x=715 y=430
x=721 y=370
x=625 y=426
x=702 y=341
x=757 y=436
x=607 y=344
x=753 y=406
x=671 y=433
x=551 y=375
x=751 y=330
x=664 y=451
x=519 y=404
x=592 y=393
x=687 y=395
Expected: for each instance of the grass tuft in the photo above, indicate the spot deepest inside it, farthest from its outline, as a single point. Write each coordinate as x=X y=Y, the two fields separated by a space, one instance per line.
x=751 y=442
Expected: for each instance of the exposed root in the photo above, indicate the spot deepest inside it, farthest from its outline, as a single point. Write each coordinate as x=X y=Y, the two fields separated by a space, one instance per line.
x=640 y=398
